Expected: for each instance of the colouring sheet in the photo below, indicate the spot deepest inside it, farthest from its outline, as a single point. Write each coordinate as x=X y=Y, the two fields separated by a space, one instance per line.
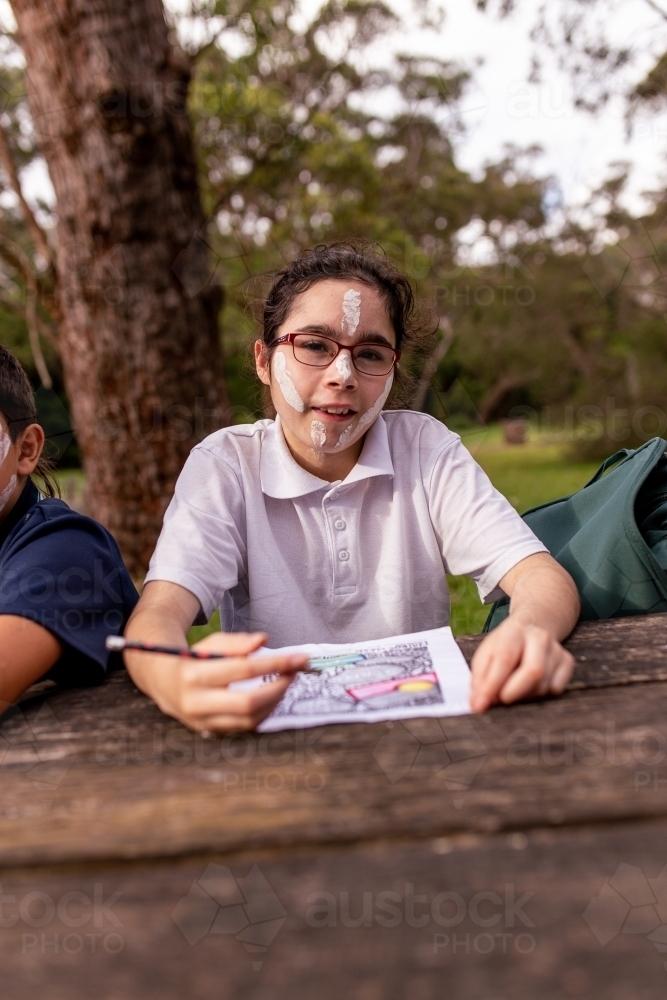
x=402 y=677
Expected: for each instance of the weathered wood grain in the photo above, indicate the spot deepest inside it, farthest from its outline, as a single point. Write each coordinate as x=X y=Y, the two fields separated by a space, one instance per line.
x=90 y=773
x=137 y=784
x=366 y=924
x=102 y=795
x=621 y=651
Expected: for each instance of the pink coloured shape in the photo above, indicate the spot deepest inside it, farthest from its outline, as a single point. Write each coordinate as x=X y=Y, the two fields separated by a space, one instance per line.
x=384 y=687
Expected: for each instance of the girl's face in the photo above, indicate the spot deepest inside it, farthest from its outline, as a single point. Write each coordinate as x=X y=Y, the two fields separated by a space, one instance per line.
x=326 y=411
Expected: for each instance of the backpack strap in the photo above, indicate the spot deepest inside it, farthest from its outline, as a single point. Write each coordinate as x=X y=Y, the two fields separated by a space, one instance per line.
x=622 y=454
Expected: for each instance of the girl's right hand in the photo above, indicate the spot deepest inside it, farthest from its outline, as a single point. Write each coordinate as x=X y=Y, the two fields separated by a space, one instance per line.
x=196 y=692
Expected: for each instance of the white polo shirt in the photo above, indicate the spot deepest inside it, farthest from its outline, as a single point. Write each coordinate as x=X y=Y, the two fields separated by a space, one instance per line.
x=283 y=552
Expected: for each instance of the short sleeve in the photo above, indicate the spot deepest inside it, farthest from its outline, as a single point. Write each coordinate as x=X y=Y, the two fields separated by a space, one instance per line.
x=64 y=571
x=481 y=534
x=202 y=545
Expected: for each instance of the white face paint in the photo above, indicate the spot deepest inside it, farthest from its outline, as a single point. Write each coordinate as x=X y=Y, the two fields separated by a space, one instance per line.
x=352 y=433
x=343 y=366
x=351 y=311
x=5 y=443
x=318 y=433
x=284 y=380
x=5 y=494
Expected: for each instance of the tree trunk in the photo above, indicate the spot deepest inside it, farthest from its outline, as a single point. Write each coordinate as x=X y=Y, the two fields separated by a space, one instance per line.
x=139 y=334
x=497 y=392
x=431 y=366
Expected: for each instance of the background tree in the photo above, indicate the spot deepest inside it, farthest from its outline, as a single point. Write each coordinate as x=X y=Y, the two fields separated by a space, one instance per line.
x=292 y=146
x=193 y=155
x=298 y=147
x=140 y=352
x=622 y=355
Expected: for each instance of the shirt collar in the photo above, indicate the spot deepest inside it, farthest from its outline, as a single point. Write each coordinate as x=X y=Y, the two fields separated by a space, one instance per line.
x=283 y=478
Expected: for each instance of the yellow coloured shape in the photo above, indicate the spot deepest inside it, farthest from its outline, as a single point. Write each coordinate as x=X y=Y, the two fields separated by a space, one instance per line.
x=415 y=686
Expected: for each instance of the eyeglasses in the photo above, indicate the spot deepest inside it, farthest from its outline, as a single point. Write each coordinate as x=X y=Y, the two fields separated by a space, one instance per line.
x=318 y=352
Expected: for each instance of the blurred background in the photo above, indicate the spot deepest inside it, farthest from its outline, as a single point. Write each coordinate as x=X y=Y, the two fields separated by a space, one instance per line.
x=509 y=157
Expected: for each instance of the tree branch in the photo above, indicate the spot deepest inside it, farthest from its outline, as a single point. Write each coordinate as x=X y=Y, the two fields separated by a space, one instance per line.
x=196 y=54
x=658 y=10
x=17 y=258
x=33 y=334
x=494 y=395
x=36 y=230
x=30 y=312
x=45 y=330
x=431 y=366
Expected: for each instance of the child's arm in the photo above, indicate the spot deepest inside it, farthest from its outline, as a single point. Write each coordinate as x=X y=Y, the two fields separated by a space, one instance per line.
x=523 y=657
x=27 y=651
x=195 y=691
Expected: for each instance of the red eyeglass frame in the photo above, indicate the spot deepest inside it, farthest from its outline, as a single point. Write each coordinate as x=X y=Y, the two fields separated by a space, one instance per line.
x=289 y=339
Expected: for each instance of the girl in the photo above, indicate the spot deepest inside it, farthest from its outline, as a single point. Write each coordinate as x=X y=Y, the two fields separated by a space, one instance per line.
x=63 y=585
x=338 y=520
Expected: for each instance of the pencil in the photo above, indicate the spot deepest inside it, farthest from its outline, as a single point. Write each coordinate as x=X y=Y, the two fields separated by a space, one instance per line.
x=116 y=643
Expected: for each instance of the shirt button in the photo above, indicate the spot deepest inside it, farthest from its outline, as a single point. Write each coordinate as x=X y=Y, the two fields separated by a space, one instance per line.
x=343 y=555
x=339 y=524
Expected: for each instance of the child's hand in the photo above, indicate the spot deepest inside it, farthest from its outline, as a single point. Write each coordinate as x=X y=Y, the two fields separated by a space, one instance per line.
x=196 y=691
x=517 y=661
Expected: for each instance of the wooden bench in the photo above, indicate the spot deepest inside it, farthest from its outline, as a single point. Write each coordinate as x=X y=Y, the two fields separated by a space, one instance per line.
x=516 y=854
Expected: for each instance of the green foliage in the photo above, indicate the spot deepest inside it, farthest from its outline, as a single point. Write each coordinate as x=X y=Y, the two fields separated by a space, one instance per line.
x=298 y=146
x=24 y=274
x=198 y=632
x=300 y=141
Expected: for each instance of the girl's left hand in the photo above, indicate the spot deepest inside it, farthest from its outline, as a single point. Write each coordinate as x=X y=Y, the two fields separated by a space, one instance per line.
x=518 y=661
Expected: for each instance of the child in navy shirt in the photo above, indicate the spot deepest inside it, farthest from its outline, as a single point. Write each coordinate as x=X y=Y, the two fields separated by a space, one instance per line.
x=63 y=585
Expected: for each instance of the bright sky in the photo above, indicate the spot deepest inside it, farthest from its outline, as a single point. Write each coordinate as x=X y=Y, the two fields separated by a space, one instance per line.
x=505 y=108
x=501 y=107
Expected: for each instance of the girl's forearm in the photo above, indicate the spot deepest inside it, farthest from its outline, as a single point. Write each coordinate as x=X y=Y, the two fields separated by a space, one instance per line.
x=148 y=670
x=156 y=625
x=544 y=594
x=163 y=615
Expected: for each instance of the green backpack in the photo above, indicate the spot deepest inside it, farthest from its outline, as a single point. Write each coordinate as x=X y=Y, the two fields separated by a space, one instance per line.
x=611 y=536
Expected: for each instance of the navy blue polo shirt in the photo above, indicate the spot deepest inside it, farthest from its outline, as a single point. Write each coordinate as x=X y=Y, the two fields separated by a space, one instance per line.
x=65 y=572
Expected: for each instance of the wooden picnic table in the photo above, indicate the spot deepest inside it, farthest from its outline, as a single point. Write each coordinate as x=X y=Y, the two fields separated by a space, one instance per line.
x=517 y=854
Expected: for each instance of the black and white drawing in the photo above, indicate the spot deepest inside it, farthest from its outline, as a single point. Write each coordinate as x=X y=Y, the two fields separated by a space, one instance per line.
x=394 y=678
x=400 y=676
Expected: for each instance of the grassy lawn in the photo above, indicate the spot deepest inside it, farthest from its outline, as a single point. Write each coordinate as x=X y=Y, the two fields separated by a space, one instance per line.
x=527 y=475
x=72 y=483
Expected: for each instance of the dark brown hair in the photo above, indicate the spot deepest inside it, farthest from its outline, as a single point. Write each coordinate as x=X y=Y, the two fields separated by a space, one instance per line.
x=17 y=405
x=365 y=262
